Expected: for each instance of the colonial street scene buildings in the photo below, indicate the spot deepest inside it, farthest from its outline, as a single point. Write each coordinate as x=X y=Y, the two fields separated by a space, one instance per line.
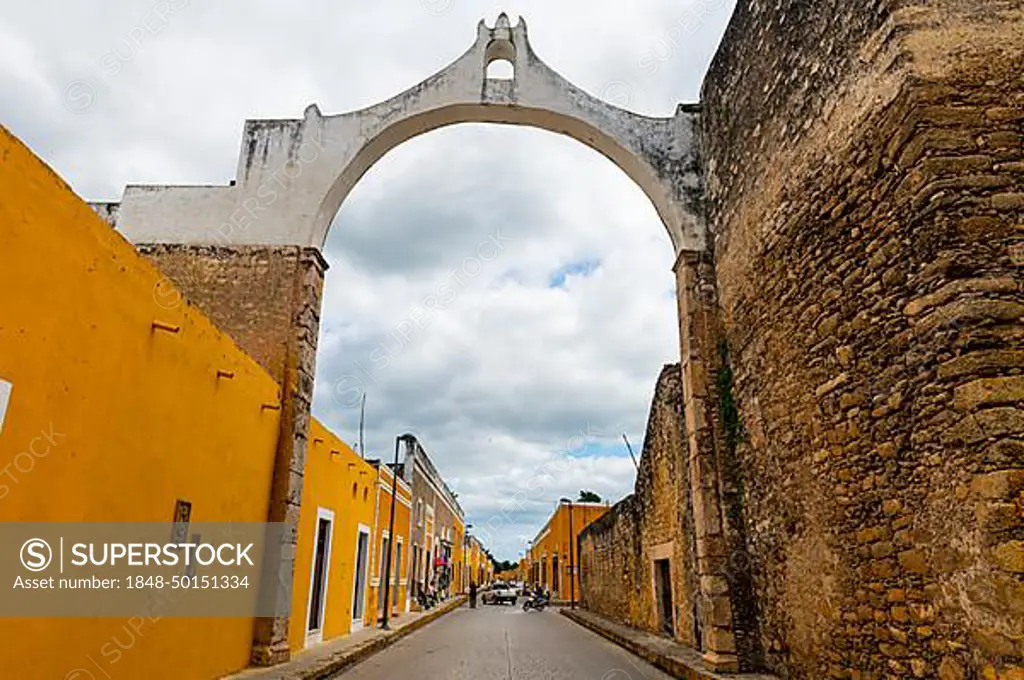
x=360 y=550
x=552 y=559
x=438 y=526
x=831 y=480
x=346 y=532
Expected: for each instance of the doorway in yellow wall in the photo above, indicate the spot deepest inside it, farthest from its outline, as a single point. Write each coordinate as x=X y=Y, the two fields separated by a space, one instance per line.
x=318 y=577
x=359 y=583
x=385 y=548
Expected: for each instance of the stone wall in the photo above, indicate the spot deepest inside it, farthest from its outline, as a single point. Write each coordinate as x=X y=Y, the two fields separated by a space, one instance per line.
x=249 y=291
x=865 y=180
x=267 y=298
x=617 y=551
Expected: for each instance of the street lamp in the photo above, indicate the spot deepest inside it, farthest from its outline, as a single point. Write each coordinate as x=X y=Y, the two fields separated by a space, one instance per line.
x=391 y=540
x=529 y=555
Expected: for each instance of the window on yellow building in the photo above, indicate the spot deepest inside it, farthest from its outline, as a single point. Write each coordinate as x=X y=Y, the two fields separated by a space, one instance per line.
x=385 y=546
x=398 y=571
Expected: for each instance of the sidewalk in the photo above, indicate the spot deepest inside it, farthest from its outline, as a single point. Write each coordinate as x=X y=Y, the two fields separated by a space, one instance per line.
x=668 y=655
x=323 y=661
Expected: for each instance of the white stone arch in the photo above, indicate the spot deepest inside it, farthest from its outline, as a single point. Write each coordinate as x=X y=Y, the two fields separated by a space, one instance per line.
x=293 y=175
x=291 y=179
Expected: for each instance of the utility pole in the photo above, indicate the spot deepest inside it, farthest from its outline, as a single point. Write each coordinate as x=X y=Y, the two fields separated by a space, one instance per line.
x=467 y=578
x=362 y=418
x=572 y=563
x=630 y=449
x=391 y=540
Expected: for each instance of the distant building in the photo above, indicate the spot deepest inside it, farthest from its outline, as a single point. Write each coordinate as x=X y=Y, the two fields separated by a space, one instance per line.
x=479 y=567
x=334 y=548
x=438 y=525
x=551 y=563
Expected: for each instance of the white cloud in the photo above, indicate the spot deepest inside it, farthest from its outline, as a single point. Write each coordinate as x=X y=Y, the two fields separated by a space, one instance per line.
x=507 y=374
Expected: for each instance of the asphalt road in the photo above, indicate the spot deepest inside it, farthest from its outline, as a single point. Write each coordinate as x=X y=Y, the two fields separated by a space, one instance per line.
x=501 y=642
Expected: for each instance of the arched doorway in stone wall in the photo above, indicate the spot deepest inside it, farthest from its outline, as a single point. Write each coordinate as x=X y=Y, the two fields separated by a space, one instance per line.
x=266 y=229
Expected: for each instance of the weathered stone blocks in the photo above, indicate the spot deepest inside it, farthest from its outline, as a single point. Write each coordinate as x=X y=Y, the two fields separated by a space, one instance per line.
x=864 y=185
x=618 y=550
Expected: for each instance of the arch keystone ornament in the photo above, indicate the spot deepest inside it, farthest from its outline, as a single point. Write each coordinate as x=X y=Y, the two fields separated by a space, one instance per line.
x=249 y=253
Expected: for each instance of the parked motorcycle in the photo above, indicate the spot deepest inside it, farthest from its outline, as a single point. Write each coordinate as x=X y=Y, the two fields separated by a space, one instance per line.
x=426 y=600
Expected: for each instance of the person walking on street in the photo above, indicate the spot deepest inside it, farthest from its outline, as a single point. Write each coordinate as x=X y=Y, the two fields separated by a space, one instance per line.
x=472 y=594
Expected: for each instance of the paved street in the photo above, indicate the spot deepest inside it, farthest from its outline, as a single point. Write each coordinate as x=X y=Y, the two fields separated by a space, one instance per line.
x=502 y=642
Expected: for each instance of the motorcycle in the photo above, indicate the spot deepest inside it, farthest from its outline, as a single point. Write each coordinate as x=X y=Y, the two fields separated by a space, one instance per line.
x=426 y=600
x=535 y=603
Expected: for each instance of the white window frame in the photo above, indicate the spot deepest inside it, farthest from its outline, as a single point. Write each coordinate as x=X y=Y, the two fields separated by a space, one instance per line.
x=357 y=623
x=399 y=581
x=385 y=535
x=315 y=637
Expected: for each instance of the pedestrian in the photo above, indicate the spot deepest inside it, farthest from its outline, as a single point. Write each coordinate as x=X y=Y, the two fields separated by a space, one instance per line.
x=472 y=594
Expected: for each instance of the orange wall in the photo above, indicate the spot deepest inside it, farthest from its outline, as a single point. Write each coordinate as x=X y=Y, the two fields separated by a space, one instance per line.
x=401 y=534
x=336 y=479
x=139 y=419
x=557 y=541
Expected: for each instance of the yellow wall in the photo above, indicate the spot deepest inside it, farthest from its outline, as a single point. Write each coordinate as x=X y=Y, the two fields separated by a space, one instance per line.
x=336 y=479
x=459 y=582
x=141 y=416
x=401 y=534
x=477 y=562
x=555 y=539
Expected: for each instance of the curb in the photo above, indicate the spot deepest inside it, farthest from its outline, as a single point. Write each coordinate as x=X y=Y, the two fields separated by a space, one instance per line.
x=364 y=651
x=351 y=657
x=674 y=666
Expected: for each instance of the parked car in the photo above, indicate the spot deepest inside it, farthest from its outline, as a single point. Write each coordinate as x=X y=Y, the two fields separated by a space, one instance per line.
x=500 y=593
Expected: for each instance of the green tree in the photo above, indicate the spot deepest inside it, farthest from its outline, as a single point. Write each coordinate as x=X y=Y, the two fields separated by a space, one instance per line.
x=503 y=565
x=588 y=497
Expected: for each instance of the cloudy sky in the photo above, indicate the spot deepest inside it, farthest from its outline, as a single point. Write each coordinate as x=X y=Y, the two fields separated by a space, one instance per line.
x=550 y=349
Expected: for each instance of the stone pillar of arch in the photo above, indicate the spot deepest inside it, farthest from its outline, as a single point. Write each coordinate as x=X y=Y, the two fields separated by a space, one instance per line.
x=249 y=253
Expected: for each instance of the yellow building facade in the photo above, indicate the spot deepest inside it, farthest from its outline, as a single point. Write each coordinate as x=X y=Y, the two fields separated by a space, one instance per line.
x=398 y=590
x=523 y=570
x=479 y=568
x=119 y=401
x=123 y=399
x=330 y=584
x=473 y=552
x=507 y=576
x=459 y=583
x=552 y=564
